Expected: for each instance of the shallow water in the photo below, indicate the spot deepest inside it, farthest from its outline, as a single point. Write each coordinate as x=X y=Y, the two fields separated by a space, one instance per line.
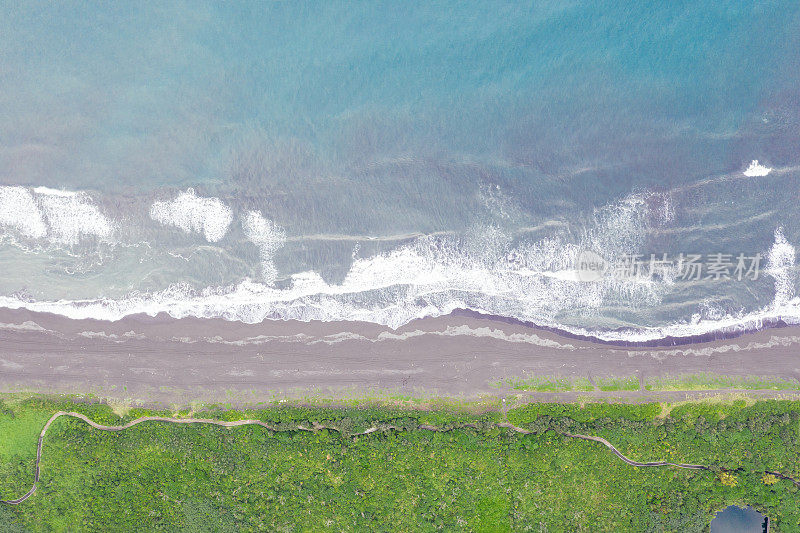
x=734 y=519
x=382 y=163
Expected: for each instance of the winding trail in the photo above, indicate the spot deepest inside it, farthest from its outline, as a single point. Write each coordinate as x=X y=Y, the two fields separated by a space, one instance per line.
x=316 y=427
x=616 y=452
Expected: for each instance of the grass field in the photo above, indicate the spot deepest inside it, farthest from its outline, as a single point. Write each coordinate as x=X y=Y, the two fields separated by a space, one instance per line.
x=689 y=382
x=681 y=382
x=548 y=384
x=158 y=476
x=615 y=384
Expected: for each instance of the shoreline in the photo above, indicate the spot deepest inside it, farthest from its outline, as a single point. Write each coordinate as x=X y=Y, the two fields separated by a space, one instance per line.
x=169 y=360
x=669 y=341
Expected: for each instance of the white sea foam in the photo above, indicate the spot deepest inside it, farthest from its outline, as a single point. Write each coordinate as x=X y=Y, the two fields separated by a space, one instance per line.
x=384 y=336
x=756 y=170
x=54 y=192
x=192 y=213
x=111 y=336
x=18 y=210
x=706 y=351
x=28 y=325
x=482 y=332
x=780 y=265
x=72 y=216
x=252 y=302
x=268 y=237
x=433 y=276
x=60 y=217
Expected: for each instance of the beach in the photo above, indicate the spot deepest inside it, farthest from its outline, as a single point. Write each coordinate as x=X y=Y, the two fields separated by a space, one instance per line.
x=177 y=361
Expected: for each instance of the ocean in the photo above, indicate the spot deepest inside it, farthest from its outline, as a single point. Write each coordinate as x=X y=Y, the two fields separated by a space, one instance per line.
x=624 y=171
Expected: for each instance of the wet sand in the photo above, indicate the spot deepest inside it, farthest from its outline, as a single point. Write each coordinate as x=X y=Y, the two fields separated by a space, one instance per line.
x=168 y=360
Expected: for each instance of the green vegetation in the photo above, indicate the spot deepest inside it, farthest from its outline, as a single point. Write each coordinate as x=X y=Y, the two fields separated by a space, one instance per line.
x=158 y=476
x=614 y=383
x=714 y=381
x=548 y=384
x=683 y=382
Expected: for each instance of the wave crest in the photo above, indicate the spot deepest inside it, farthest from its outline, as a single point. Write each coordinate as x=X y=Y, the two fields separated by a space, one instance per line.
x=194 y=214
x=60 y=217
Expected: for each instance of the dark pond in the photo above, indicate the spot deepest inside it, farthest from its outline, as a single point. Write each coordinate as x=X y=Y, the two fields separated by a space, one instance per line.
x=737 y=520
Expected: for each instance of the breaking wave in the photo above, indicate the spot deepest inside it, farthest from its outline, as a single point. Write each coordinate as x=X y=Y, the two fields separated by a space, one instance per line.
x=51 y=215
x=483 y=271
x=268 y=237
x=194 y=214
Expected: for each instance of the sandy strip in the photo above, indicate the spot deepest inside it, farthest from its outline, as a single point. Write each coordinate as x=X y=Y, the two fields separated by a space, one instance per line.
x=177 y=361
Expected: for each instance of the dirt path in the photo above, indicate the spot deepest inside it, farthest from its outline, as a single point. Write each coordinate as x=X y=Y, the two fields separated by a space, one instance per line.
x=631 y=462
x=237 y=423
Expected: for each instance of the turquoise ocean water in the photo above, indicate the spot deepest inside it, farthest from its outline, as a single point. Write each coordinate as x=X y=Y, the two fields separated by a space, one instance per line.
x=388 y=161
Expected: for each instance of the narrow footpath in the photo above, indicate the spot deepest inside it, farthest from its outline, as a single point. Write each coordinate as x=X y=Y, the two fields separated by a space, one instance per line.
x=237 y=423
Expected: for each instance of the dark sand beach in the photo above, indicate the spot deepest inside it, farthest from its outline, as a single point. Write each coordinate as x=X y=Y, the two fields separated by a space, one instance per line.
x=167 y=360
